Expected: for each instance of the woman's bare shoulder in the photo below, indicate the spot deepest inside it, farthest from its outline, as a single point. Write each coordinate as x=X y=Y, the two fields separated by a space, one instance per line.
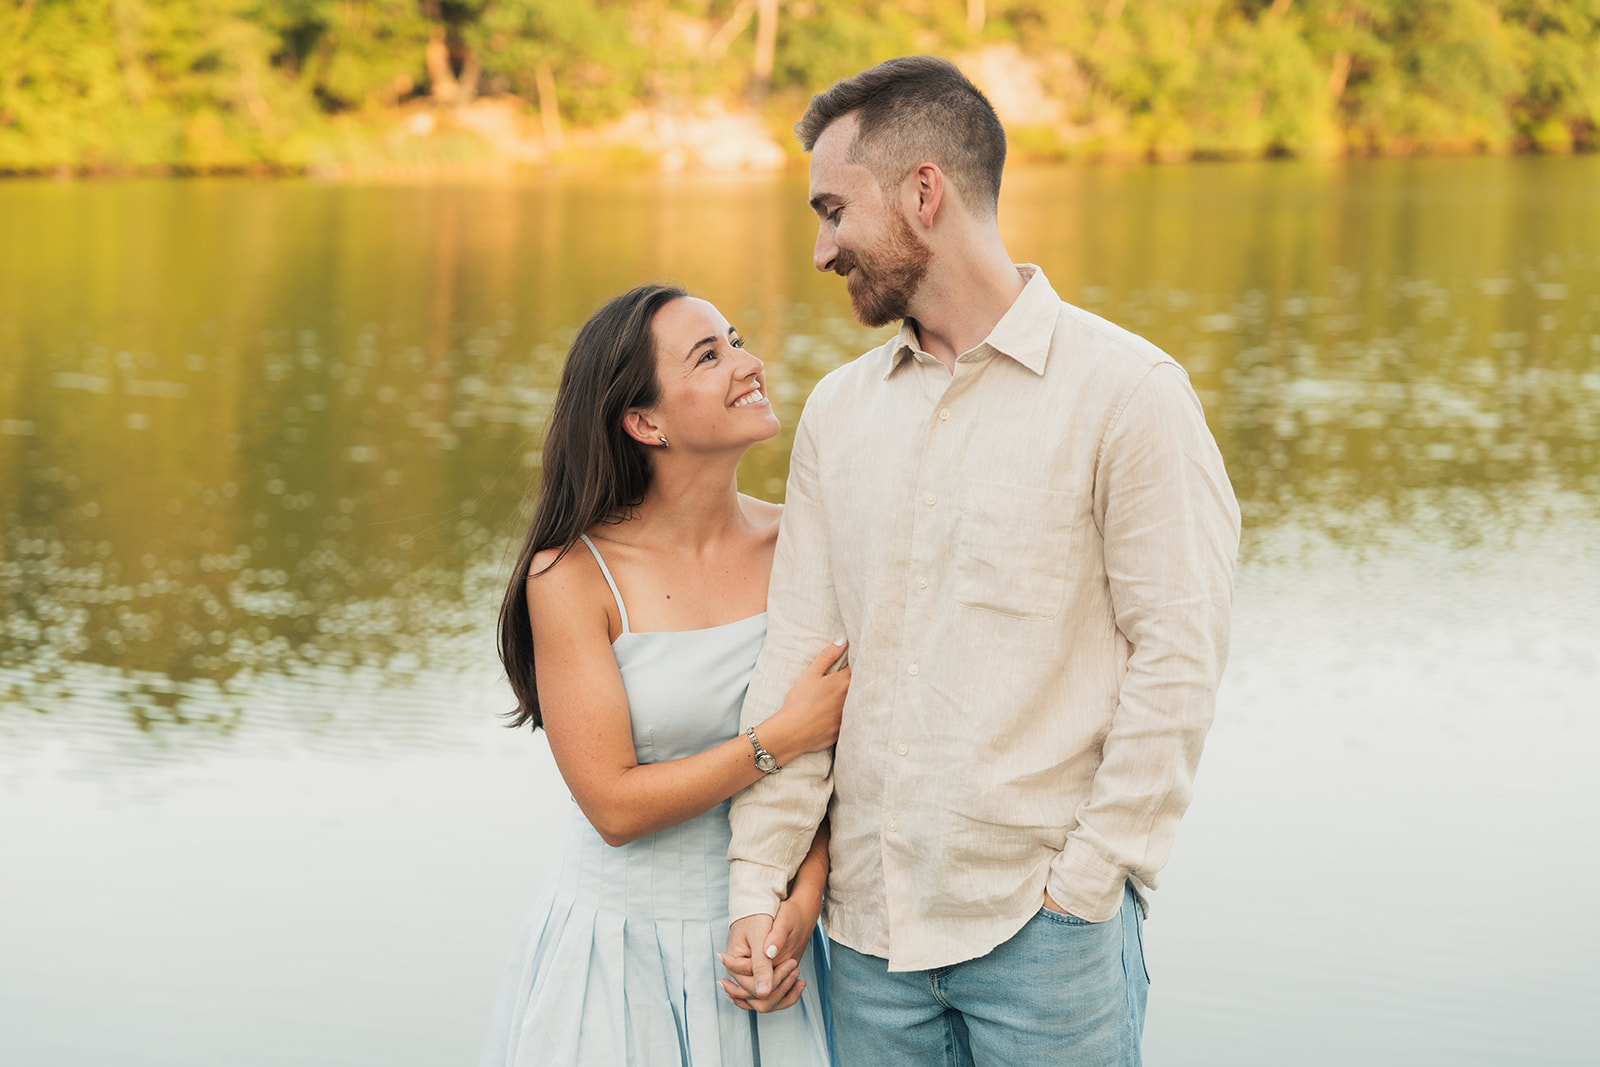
x=568 y=587
x=763 y=514
x=567 y=575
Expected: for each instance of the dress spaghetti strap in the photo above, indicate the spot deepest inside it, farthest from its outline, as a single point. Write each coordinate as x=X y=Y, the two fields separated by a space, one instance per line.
x=609 y=580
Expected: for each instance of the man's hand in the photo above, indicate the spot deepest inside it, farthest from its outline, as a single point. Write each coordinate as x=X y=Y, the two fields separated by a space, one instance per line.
x=756 y=984
x=1053 y=906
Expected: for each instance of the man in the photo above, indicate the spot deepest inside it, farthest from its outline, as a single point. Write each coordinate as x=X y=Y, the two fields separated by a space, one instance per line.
x=1016 y=514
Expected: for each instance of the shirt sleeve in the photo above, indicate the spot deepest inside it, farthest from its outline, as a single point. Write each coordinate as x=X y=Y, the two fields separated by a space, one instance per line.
x=774 y=820
x=1170 y=526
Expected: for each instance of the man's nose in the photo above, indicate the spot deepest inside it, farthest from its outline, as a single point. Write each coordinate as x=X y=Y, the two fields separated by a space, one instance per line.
x=826 y=252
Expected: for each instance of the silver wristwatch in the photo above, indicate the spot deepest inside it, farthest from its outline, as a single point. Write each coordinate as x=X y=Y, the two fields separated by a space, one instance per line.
x=764 y=761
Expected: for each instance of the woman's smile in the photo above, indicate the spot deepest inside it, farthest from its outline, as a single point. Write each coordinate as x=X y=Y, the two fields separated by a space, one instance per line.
x=754 y=396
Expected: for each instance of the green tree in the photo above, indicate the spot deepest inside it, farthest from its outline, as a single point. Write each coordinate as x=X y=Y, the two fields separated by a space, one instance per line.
x=1557 y=46
x=349 y=53
x=567 y=57
x=238 y=84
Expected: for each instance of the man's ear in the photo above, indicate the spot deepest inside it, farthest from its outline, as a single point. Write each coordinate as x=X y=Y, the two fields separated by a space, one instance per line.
x=928 y=184
x=638 y=424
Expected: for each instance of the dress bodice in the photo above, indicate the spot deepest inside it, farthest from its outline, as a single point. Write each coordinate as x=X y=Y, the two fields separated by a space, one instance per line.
x=685 y=687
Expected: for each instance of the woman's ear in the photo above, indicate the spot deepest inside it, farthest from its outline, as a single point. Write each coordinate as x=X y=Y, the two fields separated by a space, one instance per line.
x=639 y=425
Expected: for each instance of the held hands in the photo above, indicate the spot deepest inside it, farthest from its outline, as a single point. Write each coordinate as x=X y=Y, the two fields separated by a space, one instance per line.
x=809 y=718
x=756 y=983
x=783 y=940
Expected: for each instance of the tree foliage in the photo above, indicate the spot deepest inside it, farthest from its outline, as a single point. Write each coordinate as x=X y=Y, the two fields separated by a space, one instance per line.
x=239 y=84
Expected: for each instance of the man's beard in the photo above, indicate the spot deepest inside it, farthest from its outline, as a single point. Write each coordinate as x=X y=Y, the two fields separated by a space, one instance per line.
x=883 y=282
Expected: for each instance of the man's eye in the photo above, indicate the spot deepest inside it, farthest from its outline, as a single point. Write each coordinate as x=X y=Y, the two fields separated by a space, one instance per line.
x=833 y=216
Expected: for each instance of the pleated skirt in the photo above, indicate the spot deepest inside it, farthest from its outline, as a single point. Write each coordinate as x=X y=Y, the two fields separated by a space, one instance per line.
x=616 y=964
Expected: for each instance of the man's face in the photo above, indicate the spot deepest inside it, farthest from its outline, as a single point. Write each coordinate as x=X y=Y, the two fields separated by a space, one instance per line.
x=862 y=235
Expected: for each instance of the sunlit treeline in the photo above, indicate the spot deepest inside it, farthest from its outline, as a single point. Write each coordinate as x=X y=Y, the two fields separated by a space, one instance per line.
x=206 y=85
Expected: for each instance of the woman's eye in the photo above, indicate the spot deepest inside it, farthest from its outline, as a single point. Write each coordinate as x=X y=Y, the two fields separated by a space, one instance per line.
x=710 y=353
x=737 y=342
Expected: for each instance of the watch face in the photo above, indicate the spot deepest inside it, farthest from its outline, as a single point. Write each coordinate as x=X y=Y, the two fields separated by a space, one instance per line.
x=766 y=763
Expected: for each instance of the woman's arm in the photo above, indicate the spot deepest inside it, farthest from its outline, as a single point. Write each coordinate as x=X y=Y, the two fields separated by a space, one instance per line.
x=585 y=712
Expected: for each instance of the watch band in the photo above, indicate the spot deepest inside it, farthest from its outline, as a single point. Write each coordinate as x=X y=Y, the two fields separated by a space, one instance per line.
x=765 y=763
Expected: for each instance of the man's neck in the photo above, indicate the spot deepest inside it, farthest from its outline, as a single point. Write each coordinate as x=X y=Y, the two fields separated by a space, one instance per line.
x=957 y=307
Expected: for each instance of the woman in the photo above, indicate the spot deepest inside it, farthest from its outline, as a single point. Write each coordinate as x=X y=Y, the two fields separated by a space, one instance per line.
x=629 y=632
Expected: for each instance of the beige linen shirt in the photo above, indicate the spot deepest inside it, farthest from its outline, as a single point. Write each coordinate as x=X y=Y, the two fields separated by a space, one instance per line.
x=1033 y=561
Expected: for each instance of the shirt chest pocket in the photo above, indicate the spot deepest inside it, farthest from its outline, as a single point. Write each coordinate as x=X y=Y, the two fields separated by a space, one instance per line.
x=1013 y=548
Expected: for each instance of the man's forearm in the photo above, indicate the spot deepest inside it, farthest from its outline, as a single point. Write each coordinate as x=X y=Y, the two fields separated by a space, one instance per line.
x=773 y=832
x=775 y=820
x=1171 y=532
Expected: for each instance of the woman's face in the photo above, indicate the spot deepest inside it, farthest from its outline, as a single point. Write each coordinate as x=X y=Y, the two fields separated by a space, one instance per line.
x=713 y=392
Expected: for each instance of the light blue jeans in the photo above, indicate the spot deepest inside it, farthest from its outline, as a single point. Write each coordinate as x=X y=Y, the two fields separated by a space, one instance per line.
x=1061 y=991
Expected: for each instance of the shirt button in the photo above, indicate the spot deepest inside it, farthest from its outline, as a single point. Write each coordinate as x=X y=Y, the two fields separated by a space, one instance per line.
x=903 y=748
x=931 y=499
x=912 y=670
x=894 y=824
x=922 y=583
x=944 y=414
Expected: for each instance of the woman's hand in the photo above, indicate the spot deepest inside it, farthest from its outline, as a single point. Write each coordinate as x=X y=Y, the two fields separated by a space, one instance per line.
x=809 y=718
x=792 y=927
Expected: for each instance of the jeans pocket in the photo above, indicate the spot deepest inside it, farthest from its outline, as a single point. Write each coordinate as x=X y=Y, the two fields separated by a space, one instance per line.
x=1061 y=918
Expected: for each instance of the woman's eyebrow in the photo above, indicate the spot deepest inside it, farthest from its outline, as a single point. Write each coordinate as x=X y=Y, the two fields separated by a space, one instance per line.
x=698 y=345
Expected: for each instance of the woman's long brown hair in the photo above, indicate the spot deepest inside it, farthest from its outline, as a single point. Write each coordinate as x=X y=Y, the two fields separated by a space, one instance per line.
x=592 y=472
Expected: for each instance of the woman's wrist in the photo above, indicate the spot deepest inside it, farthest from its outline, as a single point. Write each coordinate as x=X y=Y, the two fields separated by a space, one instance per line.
x=812 y=877
x=776 y=739
x=808 y=891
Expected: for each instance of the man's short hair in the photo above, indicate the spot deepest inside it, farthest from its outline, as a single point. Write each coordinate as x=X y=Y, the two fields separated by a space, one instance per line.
x=914 y=110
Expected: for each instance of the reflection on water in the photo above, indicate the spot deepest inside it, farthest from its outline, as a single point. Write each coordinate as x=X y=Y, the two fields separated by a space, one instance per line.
x=263 y=448
x=255 y=431
x=264 y=430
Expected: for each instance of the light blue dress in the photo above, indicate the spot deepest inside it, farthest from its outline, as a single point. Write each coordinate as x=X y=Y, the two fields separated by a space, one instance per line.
x=617 y=962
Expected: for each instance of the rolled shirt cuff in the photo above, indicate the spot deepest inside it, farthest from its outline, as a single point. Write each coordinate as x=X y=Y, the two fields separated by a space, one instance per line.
x=1085 y=884
x=754 y=889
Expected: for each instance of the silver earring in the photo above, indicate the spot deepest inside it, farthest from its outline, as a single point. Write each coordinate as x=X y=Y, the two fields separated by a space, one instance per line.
x=663 y=441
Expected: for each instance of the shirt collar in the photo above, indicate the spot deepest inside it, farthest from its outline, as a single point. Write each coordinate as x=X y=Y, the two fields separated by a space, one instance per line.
x=1023 y=332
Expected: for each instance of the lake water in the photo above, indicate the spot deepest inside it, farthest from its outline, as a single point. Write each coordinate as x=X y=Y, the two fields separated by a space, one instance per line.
x=263 y=446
